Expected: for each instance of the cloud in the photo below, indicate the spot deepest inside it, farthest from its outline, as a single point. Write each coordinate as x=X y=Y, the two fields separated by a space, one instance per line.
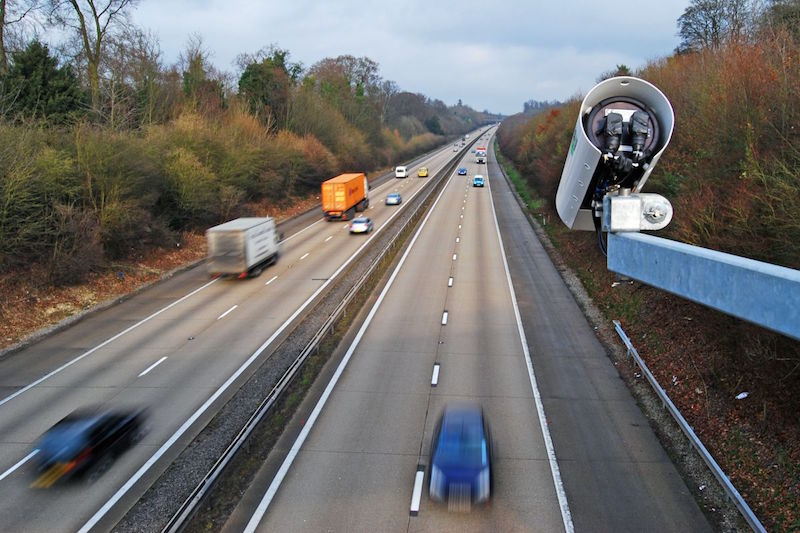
x=492 y=55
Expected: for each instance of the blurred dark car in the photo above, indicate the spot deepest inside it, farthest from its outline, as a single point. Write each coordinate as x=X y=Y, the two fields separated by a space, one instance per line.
x=85 y=443
x=461 y=458
x=462 y=171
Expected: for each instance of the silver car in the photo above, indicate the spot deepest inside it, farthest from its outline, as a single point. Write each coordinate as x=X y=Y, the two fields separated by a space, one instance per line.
x=361 y=225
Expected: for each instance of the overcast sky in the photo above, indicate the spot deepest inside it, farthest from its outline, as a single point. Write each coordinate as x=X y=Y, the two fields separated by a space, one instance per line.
x=492 y=55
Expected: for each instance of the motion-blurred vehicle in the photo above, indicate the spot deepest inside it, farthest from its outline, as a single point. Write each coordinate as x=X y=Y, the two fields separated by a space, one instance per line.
x=462 y=171
x=394 y=198
x=422 y=172
x=361 y=225
x=461 y=458
x=473 y=150
x=400 y=172
x=85 y=443
x=477 y=181
x=455 y=148
x=242 y=247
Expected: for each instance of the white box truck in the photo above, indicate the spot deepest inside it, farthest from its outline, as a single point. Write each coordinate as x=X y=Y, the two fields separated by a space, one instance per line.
x=242 y=247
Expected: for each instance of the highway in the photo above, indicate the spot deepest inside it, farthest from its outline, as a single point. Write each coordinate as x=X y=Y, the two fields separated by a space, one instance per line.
x=572 y=450
x=181 y=348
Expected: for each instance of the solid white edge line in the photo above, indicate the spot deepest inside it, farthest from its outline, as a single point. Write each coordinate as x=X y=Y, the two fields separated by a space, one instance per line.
x=102 y=344
x=222 y=388
x=151 y=367
x=223 y=315
x=19 y=464
x=435 y=376
x=566 y=516
x=298 y=443
x=273 y=278
x=416 y=495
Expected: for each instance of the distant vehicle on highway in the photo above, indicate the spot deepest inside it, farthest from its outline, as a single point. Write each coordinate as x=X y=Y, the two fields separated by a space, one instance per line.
x=401 y=172
x=85 y=443
x=473 y=150
x=394 y=198
x=461 y=458
x=462 y=171
x=422 y=172
x=345 y=195
x=455 y=148
x=477 y=181
x=361 y=225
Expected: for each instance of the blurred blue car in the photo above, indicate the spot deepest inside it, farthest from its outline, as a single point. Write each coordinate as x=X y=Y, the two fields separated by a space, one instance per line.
x=86 y=442
x=393 y=198
x=462 y=171
x=461 y=458
x=477 y=181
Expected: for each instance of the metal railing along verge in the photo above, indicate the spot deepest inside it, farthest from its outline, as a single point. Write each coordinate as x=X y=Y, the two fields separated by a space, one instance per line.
x=187 y=509
x=722 y=478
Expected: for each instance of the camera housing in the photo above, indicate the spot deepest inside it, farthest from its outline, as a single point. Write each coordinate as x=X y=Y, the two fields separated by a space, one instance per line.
x=623 y=127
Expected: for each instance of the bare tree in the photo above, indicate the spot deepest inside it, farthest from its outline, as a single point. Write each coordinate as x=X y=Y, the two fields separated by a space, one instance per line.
x=92 y=21
x=713 y=23
x=12 y=13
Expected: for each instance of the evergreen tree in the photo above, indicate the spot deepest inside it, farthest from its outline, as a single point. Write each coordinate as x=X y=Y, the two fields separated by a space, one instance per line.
x=37 y=87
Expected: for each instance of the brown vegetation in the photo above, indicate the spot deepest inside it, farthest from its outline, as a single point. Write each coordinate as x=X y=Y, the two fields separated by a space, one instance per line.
x=731 y=172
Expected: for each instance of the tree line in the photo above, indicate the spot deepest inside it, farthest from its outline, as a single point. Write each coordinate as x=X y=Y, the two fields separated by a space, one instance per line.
x=106 y=150
x=732 y=170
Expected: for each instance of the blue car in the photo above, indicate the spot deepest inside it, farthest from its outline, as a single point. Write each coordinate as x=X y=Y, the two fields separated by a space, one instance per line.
x=477 y=181
x=462 y=171
x=85 y=442
x=461 y=458
x=393 y=198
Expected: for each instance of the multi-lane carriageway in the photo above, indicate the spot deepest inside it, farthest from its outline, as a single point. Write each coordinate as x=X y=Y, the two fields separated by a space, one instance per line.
x=474 y=293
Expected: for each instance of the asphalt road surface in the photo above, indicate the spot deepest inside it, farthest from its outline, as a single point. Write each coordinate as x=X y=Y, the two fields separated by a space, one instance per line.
x=592 y=463
x=179 y=348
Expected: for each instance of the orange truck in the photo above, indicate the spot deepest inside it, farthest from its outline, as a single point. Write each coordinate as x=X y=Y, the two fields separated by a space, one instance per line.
x=343 y=195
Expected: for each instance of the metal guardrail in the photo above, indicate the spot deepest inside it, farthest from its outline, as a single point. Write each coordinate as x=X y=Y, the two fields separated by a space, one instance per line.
x=730 y=490
x=187 y=509
x=765 y=294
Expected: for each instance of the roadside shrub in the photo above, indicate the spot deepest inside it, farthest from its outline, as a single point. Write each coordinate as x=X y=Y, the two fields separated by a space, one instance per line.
x=77 y=249
x=192 y=187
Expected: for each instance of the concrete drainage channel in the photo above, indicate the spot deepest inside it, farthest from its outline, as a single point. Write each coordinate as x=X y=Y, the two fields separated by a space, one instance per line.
x=210 y=468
